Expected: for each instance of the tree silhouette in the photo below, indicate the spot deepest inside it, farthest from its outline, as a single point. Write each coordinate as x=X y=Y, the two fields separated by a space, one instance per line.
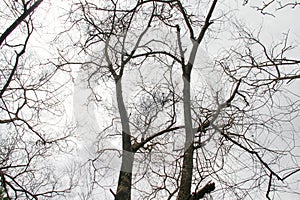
x=28 y=97
x=234 y=138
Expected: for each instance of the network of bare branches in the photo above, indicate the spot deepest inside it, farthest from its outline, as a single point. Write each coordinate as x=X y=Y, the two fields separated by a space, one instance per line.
x=228 y=138
x=29 y=105
x=268 y=7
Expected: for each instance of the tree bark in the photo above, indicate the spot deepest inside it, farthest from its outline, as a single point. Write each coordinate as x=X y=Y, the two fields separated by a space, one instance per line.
x=187 y=166
x=125 y=177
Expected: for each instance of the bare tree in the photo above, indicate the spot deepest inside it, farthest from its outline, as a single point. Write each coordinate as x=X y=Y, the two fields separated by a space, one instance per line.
x=30 y=102
x=233 y=136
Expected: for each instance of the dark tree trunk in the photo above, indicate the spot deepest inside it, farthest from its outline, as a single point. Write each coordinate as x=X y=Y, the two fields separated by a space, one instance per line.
x=125 y=177
x=187 y=166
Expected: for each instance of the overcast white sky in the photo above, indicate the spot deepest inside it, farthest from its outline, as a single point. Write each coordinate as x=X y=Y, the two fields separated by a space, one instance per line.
x=49 y=16
x=272 y=29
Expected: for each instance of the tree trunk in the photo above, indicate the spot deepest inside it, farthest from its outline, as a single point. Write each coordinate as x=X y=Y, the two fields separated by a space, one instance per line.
x=125 y=177
x=187 y=166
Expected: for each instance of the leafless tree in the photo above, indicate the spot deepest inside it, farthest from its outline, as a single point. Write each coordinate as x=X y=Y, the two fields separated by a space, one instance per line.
x=235 y=138
x=30 y=103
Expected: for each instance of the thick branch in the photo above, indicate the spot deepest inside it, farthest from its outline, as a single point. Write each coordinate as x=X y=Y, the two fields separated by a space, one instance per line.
x=18 y=21
x=141 y=144
x=208 y=188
